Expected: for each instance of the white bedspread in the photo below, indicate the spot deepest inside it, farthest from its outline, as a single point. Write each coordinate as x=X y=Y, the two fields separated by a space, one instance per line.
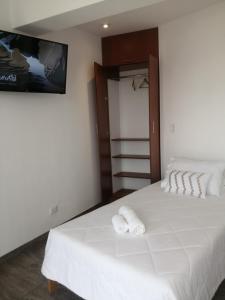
x=180 y=257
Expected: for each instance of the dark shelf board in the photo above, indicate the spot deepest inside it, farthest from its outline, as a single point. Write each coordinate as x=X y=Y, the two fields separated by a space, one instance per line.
x=132 y=156
x=121 y=193
x=131 y=140
x=133 y=175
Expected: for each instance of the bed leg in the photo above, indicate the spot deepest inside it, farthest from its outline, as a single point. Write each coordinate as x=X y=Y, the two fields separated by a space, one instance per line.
x=52 y=286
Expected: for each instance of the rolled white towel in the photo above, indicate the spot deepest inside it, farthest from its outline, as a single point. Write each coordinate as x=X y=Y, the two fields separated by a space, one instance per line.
x=119 y=223
x=135 y=225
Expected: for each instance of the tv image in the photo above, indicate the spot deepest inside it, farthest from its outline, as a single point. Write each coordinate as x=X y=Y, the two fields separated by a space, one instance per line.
x=29 y=64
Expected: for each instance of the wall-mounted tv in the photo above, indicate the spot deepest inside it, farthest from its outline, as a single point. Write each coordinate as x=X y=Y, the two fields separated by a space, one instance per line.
x=29 y=64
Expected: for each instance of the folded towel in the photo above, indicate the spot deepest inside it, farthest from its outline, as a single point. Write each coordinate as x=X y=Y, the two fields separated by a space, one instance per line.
x=119 y=223
x=135 y=225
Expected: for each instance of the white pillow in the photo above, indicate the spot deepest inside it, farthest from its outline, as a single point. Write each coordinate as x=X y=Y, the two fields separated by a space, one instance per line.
x=214 y=168
x=187 y=183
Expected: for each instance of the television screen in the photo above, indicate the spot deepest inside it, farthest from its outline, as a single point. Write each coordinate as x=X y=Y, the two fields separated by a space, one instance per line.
x=30 y=64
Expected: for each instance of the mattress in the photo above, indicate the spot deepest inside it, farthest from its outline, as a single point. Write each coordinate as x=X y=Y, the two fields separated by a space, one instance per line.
x=180 y=257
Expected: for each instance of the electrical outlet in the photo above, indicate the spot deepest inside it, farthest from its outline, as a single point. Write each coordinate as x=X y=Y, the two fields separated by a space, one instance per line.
x=53 y=210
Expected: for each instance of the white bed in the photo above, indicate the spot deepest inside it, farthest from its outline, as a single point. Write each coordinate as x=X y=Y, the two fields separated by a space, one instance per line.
x=180 y=257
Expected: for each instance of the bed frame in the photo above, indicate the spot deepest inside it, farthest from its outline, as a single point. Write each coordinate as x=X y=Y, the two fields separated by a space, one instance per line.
x=52 y=286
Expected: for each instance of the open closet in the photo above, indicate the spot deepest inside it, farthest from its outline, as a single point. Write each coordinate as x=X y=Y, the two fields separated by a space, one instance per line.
x=127 y=109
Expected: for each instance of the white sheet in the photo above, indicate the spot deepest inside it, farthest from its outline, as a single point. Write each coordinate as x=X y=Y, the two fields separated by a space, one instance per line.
x=180 y=257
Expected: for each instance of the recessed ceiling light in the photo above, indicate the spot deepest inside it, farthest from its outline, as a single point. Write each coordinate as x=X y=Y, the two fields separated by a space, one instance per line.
x=105 y=26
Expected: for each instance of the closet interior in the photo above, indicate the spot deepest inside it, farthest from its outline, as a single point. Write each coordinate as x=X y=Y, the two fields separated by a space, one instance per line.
x=127 y=109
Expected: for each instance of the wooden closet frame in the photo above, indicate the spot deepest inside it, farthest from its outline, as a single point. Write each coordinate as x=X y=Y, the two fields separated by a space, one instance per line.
x=143 y=53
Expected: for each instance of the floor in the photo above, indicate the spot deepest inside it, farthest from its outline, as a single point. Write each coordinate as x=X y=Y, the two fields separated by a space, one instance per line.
x=21 y=279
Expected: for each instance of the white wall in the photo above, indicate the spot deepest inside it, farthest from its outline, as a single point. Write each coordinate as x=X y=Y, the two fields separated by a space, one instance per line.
x=48 y=151
x=134 y=112
x=129 y=117
x=134 y=122
x=114 y=120
x=192 y=79
x=5 y=15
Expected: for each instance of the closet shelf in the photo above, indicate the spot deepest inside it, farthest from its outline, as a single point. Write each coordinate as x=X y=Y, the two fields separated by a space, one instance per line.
x=133 y=175
x=132 y=156
x=130 y=139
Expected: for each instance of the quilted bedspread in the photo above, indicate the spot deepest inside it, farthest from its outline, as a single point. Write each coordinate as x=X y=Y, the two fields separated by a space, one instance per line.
x=180 y=257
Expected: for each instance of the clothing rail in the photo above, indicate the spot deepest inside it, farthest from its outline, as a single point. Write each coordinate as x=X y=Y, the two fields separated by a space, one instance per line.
x=130 y=76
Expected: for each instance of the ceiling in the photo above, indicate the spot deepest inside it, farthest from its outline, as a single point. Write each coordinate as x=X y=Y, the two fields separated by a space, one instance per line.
x=147 y=17
x=122 y=15
x=31 y=16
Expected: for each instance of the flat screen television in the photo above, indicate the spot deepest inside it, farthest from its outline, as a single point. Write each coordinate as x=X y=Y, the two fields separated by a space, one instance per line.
x=29 y=64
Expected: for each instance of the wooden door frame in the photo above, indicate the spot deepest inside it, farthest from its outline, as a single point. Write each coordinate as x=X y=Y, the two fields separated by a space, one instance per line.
x=154 y=119
x=105 y=198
